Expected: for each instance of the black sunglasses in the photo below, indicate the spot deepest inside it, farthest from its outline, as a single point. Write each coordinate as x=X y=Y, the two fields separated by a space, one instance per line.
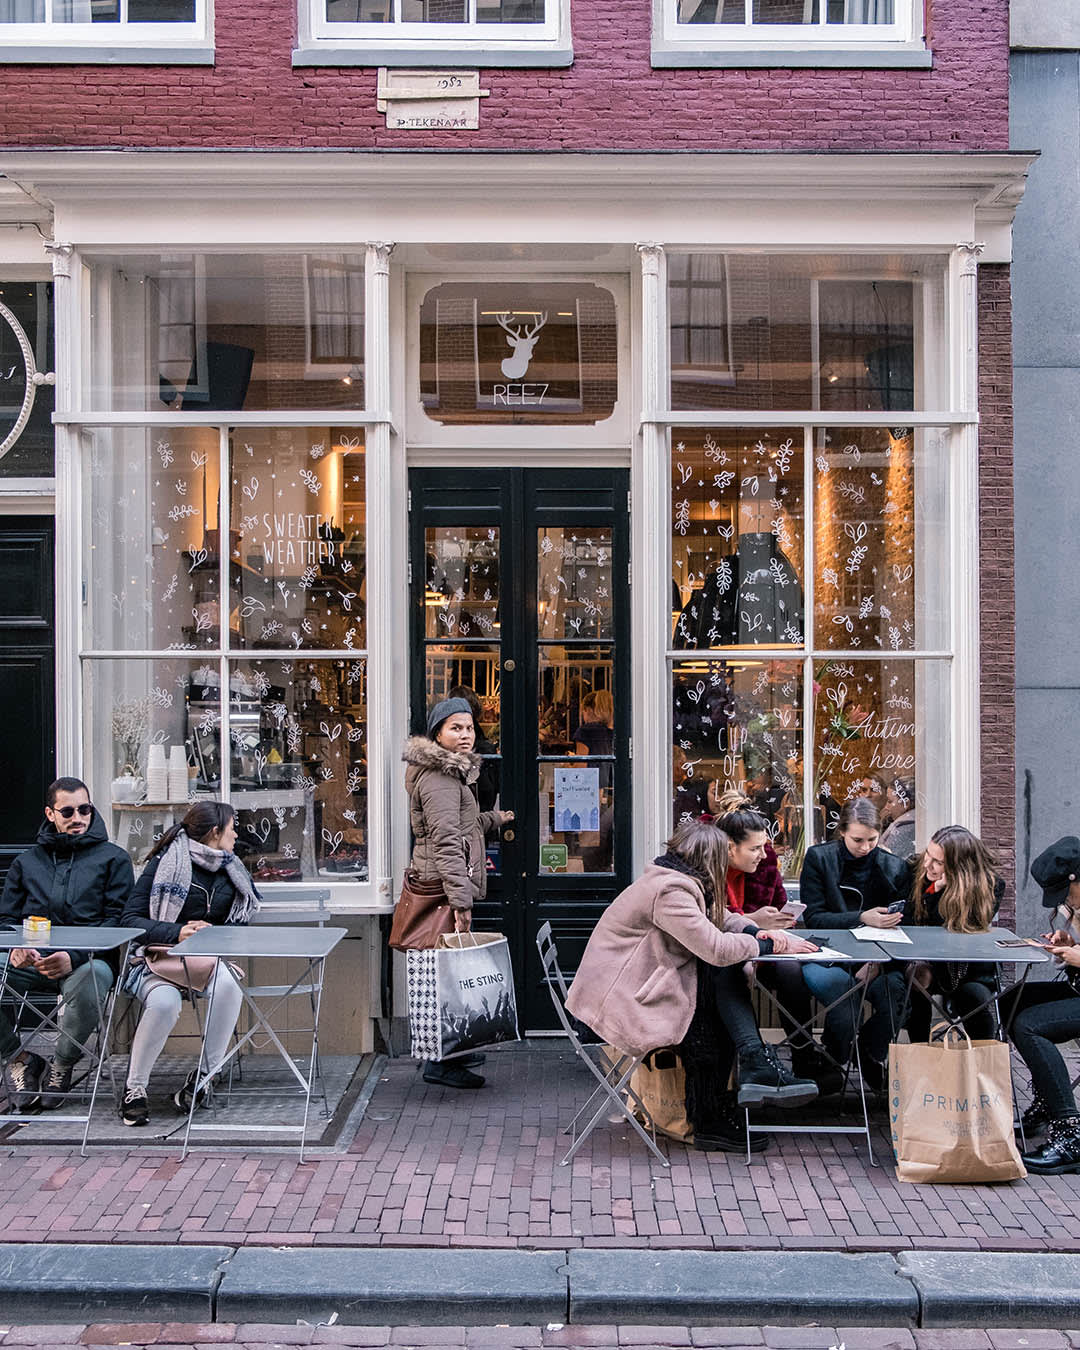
x=68 y=811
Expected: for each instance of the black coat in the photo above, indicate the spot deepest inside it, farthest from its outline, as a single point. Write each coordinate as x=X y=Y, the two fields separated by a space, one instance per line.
x=829 y=907
x=78 y=880
x=209 y=898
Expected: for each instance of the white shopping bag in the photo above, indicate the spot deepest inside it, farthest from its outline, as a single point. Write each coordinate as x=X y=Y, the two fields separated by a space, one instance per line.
x=461 y=995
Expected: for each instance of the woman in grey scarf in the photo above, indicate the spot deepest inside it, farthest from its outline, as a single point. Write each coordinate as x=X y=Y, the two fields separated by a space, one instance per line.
x=192 y=879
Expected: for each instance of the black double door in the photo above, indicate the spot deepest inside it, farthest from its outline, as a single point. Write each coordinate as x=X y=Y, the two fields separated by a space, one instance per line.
x=520 y=593
x=27 y=666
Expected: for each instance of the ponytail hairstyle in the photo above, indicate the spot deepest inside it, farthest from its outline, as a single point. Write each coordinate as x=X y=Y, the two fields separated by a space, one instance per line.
x=966 y=902
x=732 y=800
x=202 y=820
x=742 y=821
x=859 y=811
x=704 y=848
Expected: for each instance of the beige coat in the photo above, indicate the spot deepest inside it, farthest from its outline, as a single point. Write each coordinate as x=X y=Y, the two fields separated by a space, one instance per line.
x=637 y=982
x=448 y=826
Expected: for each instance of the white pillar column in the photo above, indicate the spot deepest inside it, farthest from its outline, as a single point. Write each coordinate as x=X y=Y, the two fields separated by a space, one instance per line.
x=650 y=573
x=964 y=511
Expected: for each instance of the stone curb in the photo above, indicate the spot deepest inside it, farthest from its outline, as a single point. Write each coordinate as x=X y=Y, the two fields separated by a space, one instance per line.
x=49 y=1283
x=85 y=1282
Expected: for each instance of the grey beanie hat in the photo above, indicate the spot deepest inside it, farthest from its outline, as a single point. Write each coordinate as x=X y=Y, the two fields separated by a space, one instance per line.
x=441 y=711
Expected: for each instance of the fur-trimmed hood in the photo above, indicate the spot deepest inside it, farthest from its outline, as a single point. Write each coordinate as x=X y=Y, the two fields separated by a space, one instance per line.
x=421 y=753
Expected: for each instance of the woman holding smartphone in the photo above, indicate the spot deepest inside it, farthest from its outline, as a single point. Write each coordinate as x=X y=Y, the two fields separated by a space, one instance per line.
x=1042 y=1016
x=755 y=888
x=851 y=883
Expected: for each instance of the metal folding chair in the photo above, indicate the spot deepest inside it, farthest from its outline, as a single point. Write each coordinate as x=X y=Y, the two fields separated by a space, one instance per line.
x=612 y=1070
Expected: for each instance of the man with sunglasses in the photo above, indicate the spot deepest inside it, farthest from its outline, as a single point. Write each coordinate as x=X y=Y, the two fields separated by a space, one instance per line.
x=75 y=877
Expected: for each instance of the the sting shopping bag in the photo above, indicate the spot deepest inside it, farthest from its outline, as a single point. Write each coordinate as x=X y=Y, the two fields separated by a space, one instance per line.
x=951 y=1111
x=461 y=995
x=660 y=1083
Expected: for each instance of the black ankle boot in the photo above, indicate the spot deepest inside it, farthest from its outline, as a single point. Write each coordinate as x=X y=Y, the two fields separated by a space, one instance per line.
x=1061 y=1152
x=807 y=1061
x=725 y=1132
x=444 y=1073
x=1036 y=1118
x=762 y=1078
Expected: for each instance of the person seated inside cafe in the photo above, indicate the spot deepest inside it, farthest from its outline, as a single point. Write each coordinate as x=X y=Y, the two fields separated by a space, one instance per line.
x=664 y=968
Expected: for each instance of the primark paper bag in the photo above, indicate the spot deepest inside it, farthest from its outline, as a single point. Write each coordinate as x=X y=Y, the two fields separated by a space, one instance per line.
x=461 y=995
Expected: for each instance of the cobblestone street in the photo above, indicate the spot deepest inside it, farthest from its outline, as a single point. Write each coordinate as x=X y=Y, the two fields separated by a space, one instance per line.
x=428 y=1167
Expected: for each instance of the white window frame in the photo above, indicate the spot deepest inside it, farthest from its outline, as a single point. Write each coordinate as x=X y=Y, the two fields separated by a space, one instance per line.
x=900 y=43
x=443 y=44
x=54 y=42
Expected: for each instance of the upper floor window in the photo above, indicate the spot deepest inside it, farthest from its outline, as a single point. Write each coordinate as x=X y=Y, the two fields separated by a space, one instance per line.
x=142 y=31
x=788 y=32
x=451 y=32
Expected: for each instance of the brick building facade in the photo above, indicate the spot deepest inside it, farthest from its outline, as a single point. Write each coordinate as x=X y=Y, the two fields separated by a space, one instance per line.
x=682 y=377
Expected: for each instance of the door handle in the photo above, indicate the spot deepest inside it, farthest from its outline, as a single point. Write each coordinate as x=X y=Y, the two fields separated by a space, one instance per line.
x=510 y=664
x=508 y=835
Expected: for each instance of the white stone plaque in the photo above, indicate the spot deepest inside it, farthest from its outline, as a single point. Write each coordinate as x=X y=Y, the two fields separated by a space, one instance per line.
x=430 y=100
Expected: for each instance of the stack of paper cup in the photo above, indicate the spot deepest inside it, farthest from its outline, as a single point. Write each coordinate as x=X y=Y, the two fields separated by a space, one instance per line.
x=178 y=774
x=157 y=775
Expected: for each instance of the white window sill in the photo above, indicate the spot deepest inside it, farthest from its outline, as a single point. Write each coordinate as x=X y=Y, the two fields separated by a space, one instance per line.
x=894 y=55
x=329 y=53
x=107 y=54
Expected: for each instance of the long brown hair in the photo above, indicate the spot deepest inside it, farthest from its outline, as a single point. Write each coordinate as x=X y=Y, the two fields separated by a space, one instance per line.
x=966 y=902
x=202 y=819
x=704 y=847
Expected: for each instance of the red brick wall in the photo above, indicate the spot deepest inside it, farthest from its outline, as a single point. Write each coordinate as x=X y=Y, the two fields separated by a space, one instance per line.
x=610 y=98
x=998 y=620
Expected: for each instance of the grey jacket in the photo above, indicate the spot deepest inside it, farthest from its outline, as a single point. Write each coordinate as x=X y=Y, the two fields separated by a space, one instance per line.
x=447 y=824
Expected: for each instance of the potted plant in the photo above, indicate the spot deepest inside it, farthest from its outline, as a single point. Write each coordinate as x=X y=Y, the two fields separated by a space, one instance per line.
x=130 y=725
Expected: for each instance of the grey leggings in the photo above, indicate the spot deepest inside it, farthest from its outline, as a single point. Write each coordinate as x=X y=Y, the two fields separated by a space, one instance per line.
x=162 y=1002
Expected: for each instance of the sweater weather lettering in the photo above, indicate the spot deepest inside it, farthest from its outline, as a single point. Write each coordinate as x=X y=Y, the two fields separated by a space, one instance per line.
x=481 y=980
x=297 y=539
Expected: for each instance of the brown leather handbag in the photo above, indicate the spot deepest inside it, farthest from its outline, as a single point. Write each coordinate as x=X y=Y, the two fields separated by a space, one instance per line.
x=421 y=915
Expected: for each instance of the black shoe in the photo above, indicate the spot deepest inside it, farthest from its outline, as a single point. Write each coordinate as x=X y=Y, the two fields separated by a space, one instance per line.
x=135 y=1109
x=21 y=1078
x=726 y=1131
x=762 y=1078
x=447 y=1074
x=56 y=1084
x=1036 y=1118
x=182 y=1099
x=875 y=1072
x=470 y=1061
x=1061 y=1152
x=809 y=1062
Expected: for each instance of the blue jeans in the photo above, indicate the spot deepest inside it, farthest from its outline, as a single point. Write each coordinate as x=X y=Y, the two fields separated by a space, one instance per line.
x=83 y=992
x=885 y=996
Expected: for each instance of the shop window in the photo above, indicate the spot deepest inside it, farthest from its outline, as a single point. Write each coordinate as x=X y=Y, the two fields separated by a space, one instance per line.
x=450 y=32
x=224 y=332
x=788 y=32
x=151 y=31
x=27 y=431
x=516 y=353
x=270 y=606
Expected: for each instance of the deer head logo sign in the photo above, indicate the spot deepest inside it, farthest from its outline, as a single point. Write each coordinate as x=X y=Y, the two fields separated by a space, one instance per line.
x=522 y=339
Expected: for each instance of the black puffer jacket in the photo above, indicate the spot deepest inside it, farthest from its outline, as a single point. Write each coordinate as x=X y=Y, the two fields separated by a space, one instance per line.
x=209 y=898
x=81 y=880
x=827 y=906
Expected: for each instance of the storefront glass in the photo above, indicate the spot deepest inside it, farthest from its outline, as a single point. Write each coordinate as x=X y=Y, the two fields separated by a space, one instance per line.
x=31 y=306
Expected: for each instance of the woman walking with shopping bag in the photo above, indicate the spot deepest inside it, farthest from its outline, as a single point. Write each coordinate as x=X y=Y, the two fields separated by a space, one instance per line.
x=448 y=831
x=191 y=880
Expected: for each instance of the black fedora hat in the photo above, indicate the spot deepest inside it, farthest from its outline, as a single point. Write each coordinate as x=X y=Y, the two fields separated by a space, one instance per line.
x=1056 y=868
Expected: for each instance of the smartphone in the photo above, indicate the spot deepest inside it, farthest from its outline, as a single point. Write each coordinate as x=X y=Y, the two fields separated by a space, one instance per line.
x=796 y=908
x=1020 y=942
x=897 y=907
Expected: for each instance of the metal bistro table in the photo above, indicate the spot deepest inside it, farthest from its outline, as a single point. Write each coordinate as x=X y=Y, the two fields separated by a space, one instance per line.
x=234 y=942
x=853 y=952
x=95 y=942
x=932 y=946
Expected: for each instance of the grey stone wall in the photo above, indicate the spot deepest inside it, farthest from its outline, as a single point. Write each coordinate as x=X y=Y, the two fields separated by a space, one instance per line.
x=1045 y=112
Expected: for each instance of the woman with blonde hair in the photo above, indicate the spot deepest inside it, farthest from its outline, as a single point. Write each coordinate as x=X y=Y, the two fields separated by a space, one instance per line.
x=957 y=888
x=663 y=967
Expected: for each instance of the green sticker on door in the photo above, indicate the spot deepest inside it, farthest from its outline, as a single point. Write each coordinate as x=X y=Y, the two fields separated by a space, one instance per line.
x=553 y=856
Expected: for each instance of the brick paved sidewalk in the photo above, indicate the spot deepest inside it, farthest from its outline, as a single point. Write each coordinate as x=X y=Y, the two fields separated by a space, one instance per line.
x=433 y=1167
x=184 y=1336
